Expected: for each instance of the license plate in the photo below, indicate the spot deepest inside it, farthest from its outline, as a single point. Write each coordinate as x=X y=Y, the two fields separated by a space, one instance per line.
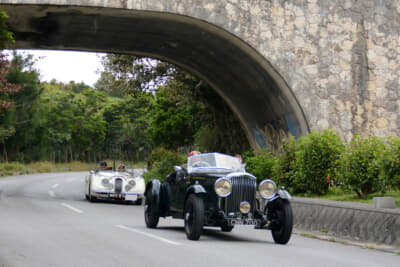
x=131 y=197
x=243 y=221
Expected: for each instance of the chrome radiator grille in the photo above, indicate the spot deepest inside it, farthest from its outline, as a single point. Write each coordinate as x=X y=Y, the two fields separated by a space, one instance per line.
x=243 y=189
x=118 y=185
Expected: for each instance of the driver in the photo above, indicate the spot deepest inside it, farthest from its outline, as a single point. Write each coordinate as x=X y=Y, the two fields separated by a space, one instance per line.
x=103 y=166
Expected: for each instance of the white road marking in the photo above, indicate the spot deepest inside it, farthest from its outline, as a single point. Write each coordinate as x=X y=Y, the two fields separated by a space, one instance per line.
x=51 y=193
x=149 y=235
x=54 y=186
x=71 y=208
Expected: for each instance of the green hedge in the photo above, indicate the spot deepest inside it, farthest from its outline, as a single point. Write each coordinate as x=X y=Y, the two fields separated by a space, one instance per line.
x=390 y=163
x=360 y=166
x=317 y=160
x=313 y=164
x=260 y=163
x=321 y=160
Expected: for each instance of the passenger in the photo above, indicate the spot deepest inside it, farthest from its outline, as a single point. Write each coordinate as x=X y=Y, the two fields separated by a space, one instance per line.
x=121 y=168
x=239 y=157
x=194 y=152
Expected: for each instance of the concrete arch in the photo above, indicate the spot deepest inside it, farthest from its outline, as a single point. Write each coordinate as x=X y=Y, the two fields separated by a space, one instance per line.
x=256 y=92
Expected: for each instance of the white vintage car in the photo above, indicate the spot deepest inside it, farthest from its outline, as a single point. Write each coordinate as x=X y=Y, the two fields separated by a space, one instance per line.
x=114 y=184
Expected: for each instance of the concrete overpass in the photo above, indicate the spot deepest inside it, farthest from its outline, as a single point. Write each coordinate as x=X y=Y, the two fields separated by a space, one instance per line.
x=284 y=67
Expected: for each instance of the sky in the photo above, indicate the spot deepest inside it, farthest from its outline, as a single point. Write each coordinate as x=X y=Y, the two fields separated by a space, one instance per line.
x=66 y=66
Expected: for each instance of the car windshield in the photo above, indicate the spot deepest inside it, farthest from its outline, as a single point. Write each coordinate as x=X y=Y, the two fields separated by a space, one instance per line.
x=214 y=162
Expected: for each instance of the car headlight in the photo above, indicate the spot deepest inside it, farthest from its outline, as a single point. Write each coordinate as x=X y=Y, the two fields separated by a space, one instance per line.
x=132 y=183
x=106 y=183
x=267 y=188
x=223 y=187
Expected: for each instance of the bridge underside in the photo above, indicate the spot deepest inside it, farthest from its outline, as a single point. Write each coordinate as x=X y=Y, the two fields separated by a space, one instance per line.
x=256 y=93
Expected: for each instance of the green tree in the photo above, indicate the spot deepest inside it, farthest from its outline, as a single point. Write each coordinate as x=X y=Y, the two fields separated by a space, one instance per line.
x=127 y=124
x=22 y=116
x=187 y=112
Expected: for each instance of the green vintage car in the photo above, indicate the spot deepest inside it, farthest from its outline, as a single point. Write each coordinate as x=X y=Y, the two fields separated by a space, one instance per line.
x=214 y=190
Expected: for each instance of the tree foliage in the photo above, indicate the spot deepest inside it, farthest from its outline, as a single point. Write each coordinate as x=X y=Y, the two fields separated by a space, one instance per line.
x=186 y=113
x=6 y=37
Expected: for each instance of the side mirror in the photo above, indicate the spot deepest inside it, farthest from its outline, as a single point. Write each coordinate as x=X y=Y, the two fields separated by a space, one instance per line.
x=91 y=172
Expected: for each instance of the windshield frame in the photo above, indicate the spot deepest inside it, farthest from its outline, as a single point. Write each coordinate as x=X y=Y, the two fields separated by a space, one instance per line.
x=221 y=163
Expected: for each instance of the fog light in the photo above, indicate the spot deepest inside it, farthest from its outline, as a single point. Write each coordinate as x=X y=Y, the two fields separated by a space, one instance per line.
x=245 y=207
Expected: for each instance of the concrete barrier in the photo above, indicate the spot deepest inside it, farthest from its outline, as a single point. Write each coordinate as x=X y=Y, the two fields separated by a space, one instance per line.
x=348 y=220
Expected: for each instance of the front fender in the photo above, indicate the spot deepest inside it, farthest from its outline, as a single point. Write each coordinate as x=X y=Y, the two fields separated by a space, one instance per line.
x=284 y=194
x=154 y=186
x=195 y=189
x=281 y=195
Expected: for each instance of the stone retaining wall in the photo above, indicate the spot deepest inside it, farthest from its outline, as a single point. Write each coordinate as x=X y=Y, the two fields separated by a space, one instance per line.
x=348 y=220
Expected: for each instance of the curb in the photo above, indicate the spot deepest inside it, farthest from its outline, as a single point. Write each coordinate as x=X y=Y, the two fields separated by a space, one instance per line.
x=355 y=221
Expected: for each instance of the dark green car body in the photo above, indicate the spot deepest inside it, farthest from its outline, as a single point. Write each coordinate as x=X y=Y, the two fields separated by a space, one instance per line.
x=192 y=196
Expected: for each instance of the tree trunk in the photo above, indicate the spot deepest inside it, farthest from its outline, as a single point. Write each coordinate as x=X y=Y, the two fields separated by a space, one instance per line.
x=5 y=158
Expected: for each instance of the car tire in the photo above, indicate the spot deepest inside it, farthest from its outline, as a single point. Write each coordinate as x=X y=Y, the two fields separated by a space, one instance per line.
x=226 y=228
x=151 y=217
x=194 y=217
x=283 y=217
x=90 y=197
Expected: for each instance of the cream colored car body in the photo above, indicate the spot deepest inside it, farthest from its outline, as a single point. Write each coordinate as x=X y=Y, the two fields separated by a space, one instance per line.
x=111 y=184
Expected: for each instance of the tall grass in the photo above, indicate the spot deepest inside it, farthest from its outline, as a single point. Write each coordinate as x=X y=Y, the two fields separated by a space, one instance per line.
x=16 y=168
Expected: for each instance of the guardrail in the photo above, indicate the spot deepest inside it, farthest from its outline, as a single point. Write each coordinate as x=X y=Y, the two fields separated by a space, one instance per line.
x=348 y=220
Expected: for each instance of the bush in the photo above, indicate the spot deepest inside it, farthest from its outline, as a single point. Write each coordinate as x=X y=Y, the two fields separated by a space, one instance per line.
x=12 y=168
x=360 y=166
x=286 y=167
x=390 y=164
x=162 y=163
x=317 y=160
x=157 y=155
x=261 y=164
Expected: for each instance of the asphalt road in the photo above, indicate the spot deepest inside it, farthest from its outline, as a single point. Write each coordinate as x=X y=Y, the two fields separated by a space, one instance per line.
x=45 y=221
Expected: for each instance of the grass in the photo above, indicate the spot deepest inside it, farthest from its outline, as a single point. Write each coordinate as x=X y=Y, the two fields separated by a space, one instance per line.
x=324 y=230
x=332 y=239
x=15 y=168
x=344 y=195
x=308 y=235
x=368 y=247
